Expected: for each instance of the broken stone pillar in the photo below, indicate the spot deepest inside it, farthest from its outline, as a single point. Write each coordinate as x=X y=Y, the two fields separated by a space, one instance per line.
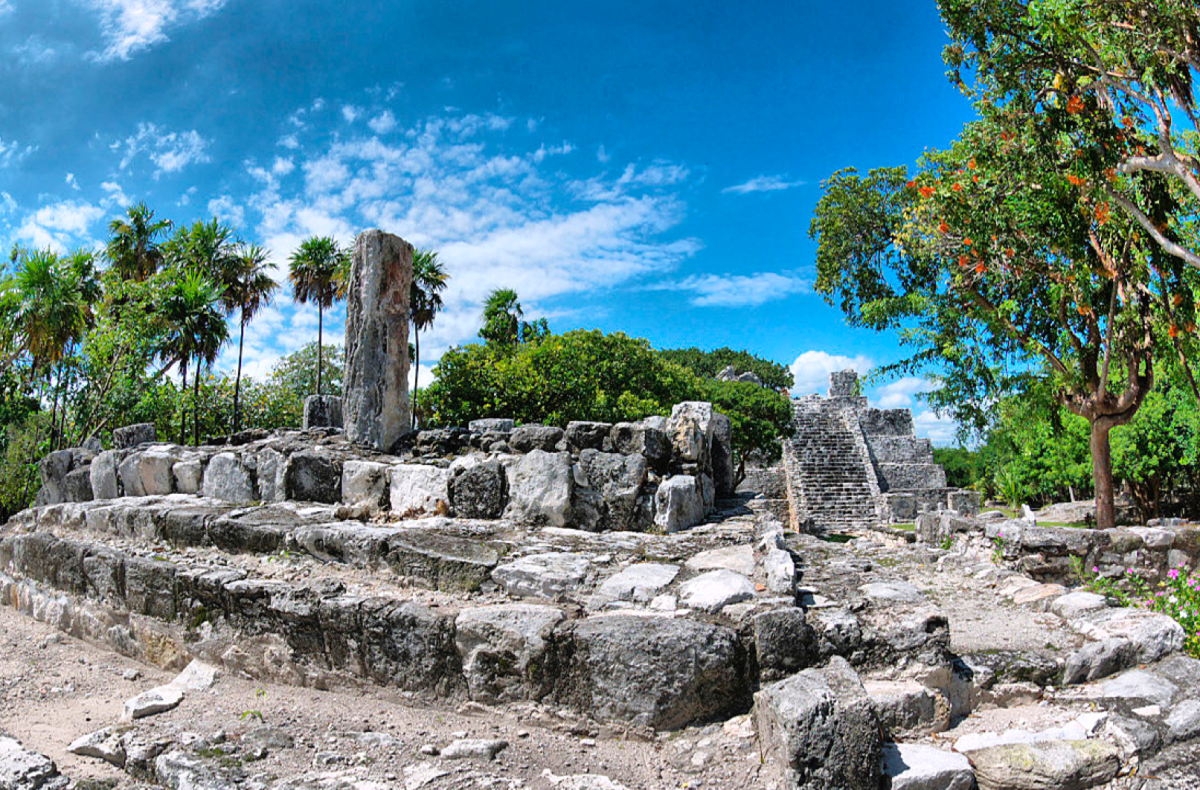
x=375 y=406
x=843 y=384
x=322 y=411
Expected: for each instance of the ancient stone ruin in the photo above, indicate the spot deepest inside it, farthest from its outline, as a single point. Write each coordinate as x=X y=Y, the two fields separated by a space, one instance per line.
x=850 y=465
x=605 y=587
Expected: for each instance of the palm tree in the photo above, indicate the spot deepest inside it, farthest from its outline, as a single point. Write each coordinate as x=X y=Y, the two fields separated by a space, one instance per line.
x=502 y=316
x=424 y=300
x=50 y=314
x=252 y=290
x=314 y=274
x=209 y=248
x=196 y=330
x=134 y=249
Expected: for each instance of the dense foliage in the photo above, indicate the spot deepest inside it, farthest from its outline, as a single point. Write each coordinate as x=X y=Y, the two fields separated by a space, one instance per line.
x=707 y=364
x=537 y=376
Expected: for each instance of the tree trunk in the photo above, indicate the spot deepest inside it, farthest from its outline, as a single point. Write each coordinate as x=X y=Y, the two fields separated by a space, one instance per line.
x=57 y=385
x=237 y=382
x=183 y=366
x=196 y=406
x=320 y=341
x=416 y=372
x=1106 y=517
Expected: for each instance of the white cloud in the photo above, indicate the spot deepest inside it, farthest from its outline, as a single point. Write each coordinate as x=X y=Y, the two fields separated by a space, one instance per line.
x=227 y=210
x=941 y=430
x=901 y=394
x=5 y=7
x=170 y=152
x=763 y=184
x=71 y=182
x=382 y=123
x=116 y=195
x=351 y=113
x=12 y=152
x=59 y=225
x=289 y=141
x=495 y=209
x=740 y=290
x=130 y=26
x=812 y=368
x=602 y=155
x=7 y=204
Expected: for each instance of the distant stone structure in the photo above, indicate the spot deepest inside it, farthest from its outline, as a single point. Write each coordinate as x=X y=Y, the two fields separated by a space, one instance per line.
x=375 y=404
x=850 y=465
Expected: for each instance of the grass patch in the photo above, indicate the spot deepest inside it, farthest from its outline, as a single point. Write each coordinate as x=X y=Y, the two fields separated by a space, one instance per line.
x=907 y=527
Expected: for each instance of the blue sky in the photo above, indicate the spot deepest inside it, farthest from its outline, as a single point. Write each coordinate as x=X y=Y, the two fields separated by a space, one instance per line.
x=647 y=167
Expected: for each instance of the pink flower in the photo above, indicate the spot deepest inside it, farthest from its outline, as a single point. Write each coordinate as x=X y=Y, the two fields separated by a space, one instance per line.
x=1095 y=569
x=1173 y=573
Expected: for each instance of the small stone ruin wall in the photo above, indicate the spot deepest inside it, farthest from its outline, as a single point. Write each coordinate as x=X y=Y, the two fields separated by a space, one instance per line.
x=1047 y=554
x=662 y=473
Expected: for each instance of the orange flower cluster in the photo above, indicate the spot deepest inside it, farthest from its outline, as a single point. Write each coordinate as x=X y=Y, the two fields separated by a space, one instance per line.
x=1075 y=105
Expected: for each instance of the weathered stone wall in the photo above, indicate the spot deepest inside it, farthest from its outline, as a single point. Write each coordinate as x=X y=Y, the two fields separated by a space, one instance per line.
x=661 y=472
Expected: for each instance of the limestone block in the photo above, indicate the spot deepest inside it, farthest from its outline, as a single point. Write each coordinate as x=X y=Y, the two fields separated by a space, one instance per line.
x=134 y=435
x=322 y=411
x=491 y=425
x=419 y=488
x=723 y=471
x=963 y=502
x=227 y=478
x=641 y=438
x=618 y=480
x=785 y=643
x=886 y=422
x=53 y=470
x=478 y=490
x=910 y=477
x=902 y=507
x=375 y=401
x=911 y=766
x=269 y=465
x=311 y=476
x=365 y=483
x=77 y=485
x=714 y=590
x=189 y=475
x=103 y=471
x=540 y=485
x=696 y=671
x=900 y=450
x=549 y=575
x=679 y=503
x=843 y=384
x=583 y=435
x=535 y=437
x=907 y=708
x=22 y=769
x=690 y=429
x=820 y=728
x=1049 y=764
x=504 y=650
x=639 y=583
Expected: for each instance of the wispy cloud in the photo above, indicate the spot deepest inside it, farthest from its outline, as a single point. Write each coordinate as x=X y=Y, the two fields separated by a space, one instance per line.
x=382 y=123
x=942 y=430
x=901 y=394
x=170 y=152
x=59 y=225
x=740 y=290
x=763 y=184
x=12 y=152
x=130 y=26
x=812 y=368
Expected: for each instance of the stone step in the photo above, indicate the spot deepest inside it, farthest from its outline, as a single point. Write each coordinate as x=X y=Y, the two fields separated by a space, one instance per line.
x=301 y=621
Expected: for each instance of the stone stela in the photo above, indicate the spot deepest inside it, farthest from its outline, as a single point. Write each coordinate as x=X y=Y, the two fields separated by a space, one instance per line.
x=376 y=409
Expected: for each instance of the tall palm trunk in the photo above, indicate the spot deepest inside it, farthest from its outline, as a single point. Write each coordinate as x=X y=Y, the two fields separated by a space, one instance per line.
x=237 y=383
x=416 y=369
x=54 y=410
x=196 y=405
x=183 y=366
x=320 y=342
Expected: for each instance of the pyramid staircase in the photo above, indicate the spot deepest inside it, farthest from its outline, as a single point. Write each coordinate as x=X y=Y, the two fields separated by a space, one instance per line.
x=830 y=477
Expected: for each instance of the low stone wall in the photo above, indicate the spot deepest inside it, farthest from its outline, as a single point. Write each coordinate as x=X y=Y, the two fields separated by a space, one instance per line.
x=1045 y=553
x=663 y=473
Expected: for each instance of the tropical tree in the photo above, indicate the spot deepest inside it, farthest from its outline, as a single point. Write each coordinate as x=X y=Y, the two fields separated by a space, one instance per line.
x=424 y=300
x=192 y=310
x=251 y=290
x=133 y=248
x=50 y=314
x=502 y=324
x=1005 y=274
x=1115 y=78
x=314 y=274
x=209 y=248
